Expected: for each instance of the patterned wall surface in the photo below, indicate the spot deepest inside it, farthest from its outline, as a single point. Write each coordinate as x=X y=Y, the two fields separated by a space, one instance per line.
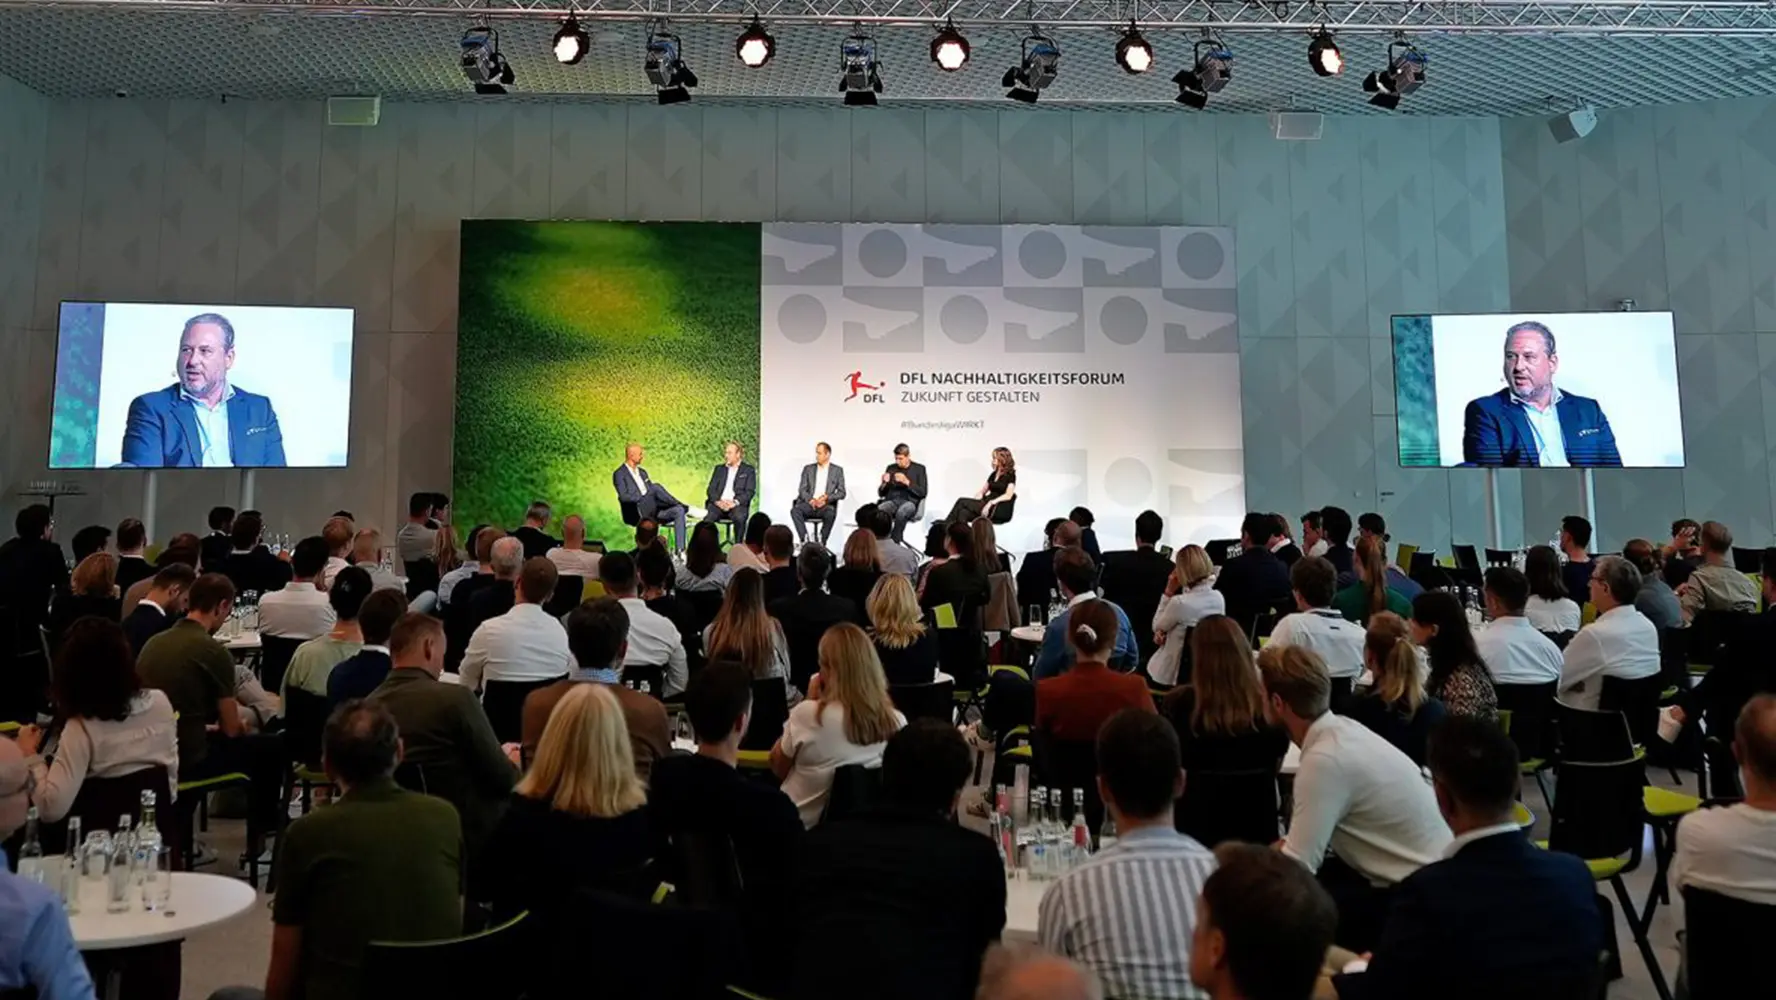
x=1671 y=207
x=263 y=203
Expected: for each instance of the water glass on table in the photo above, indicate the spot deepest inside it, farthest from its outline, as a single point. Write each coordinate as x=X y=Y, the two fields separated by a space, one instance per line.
x=157 y=879
x=1033 y=615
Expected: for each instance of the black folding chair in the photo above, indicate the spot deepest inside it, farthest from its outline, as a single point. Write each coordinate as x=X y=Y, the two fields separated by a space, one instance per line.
x=645 y=677
x=275 y=652
x=1220 y=806
x=925 y=701
x=854 y=788
x=1500 y=557
x=484 y=966
x=1530 y=711
x=504 y=703
x=1217 y=549
x=422 y=575
x=1638 y=701
x=1465 y=557
x=566 y=596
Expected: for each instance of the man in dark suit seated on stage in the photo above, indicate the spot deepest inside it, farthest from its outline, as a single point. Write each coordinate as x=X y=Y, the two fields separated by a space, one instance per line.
x=201 y=421
x=1530 y=422
x=1036 y=577
x=731 y=489
x=652 y=501
x=1498 y=914
x=1135 y=579
x=818 y=494
x=1254 y=581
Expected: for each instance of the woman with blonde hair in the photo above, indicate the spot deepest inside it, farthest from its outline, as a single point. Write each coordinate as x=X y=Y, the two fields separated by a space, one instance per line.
x=1190 y=596
x=445 y=550
x=859 y=567
x=578 y=819
x=996 y=498
x=1395 y=706
x=92 y=592
x=1371 y=594
x=907 y=649
x=1219 y=712
x=743 y=633
x=846 y=719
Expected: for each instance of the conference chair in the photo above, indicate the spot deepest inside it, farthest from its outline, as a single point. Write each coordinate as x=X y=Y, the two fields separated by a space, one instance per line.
x=1403 y=556
x=650 y=677
x=1526 y=712
x=1638 y=701
x=1748 y=560
x=504 y=703
x=1720 y=779
x=275 y=652
x=485 y=966
x=705 y=868
x=566 y=596
x=1500 y=557
x=1724 y=940
x=632 y=517
x=1466 y=557
x=770 y=712
x=1217 y=549
x=1219 y=806
x=101 y=800
x=704 y=605
x=925 y=701
x=855 y=787
x=422 y=575
x=1423 y=564
x=643 y=949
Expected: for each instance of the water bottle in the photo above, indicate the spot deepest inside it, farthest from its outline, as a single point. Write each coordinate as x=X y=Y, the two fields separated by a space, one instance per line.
x=152 y=870
x=147 y=842
x=117 y=876
x=1030 y=836
x=1107 y=834
x=1057 y=837
x=71 y=867
x=1004 y=833
x=30 y=861
x=1081 y=844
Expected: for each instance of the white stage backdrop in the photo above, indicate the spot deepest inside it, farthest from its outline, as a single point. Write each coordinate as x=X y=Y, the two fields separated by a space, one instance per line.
x=1106 y=359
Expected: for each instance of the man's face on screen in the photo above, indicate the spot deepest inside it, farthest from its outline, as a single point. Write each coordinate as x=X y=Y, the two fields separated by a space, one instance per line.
x=1529 y=368
x=204 y=359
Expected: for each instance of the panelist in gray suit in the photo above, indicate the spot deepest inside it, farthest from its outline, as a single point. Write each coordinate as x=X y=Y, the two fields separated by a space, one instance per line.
x=817 y=499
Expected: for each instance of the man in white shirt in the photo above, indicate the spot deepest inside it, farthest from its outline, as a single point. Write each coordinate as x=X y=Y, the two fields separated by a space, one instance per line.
x=337 y=533
x=653 y=639
x=299 y=610
x=1355 y=795
x=367 y=553
x=571 y=557
x=1315 y=625
x=817 y=495
x=1313 y=536
x=1513 y=650
x=1732 y=851
x=1620 y=643
x=525 y=644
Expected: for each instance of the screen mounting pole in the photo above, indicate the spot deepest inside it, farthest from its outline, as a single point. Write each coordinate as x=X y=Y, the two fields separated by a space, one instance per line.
x=150 y=501
x=1494 y=519
x=1589 y=488
x=249 y=486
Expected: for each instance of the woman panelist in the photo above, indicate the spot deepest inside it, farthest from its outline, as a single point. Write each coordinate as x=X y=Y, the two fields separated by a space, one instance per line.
x=995 y=499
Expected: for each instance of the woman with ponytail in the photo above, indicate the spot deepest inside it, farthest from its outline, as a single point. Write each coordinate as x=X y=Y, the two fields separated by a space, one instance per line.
x=1371 y=593
x=1074 y=705
x=1395 y=706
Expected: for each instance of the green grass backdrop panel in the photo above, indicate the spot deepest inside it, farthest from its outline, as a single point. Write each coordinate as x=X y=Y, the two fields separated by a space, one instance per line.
x=577 y=337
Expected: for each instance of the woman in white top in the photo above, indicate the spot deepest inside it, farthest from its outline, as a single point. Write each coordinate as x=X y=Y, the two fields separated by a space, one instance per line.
x=703 y=567
x=111 y=726
x=750 y=553
x=1190 y=596
x=846 y=719
x=743 y=633
x=1548 y=608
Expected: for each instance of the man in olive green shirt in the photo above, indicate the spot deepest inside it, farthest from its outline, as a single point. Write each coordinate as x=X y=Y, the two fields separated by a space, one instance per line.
x=313 y=662
x=196 y=671
x=379 y=864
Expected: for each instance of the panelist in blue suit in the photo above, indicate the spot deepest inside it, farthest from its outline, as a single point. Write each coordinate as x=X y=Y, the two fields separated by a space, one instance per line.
x=201 y=421
x=731 y=488
x=1530 y=422
x=645 y=500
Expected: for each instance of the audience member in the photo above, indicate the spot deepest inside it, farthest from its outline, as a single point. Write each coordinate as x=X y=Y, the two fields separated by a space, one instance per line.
x=1620 y=643
x=161 y=608
x=1656 y=600
x=300 y=610
x=249 y=565
x=367 y=556
x=92 y=591
x=445 y=735
x=359 y=675
x=110 y=725
x=1337 y=641
x=1732 y=850
x=859 y=570
x=960 y=580
x=647 y=532
x=525 y=645
x=1337 y=524
x=1575 y=544
x=1088 y=538
x=468 y=568
x=1188 y=598
x=1313 y=535
x=1374 y=527
x=38 y=957
x=986 y=547
x=1137 y=580
x=92 y=539
x=655 y=568
x=901 y=891
x=1255 y=581
x=314 y=660
x=1744 y=668
x=893 y=556
x=577 y=821
x=1356 y=795
x=1036 y=578
x=182 y=549
x=1395 y=704
x=1716 y=585
x=1512 y=649
x=1075 y=572
x=1033 y=974
x=808 y=615
x=571 y=557
x=32 y=570
x=1549 y=608
x=1073 y=706
x=1282 y=545
x=780 y=575
x=1459 y=678
x=1497 y=916
x=743 y=633
x=846 y=719
x=379 y=864
x=1262 y=928
x=132 y=565
x=907 y=649
x=417 y=538
x=536 y=541
x=750 y=553
x=219 y=542
x=445 y=555
x=704 y=568
x=487 y=597
x=1129 y=913
x=338 y=533
x=653 y=638
x=598 y=635
x=1373 y=592
x=1219 y=713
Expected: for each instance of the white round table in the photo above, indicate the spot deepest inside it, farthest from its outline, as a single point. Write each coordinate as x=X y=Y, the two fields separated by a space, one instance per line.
x=1023 y=903
x=199 y=901
x=242 y=643
x=1029 y=633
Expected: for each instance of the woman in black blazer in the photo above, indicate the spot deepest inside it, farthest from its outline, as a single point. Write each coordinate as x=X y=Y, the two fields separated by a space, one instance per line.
x=995 y=499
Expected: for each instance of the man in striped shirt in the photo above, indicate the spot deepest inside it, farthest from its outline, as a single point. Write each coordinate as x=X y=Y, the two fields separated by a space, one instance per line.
x=1129 y=913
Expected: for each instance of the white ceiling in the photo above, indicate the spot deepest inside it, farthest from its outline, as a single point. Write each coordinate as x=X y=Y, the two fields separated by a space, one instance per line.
x=75 y=52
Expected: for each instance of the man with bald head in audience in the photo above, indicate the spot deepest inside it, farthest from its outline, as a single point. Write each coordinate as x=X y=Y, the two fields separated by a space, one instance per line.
x=505 y=558
x=1036 y=577
x=572 y=557
x=1033 y=974
x=1732 y=850
x=367 y=556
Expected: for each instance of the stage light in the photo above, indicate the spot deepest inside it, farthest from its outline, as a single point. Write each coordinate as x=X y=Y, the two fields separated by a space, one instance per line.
x=860 y=78
x=1133 y=53
x=482 y=63
x=1323 y=54
x=1038 y=68
x=949 y=49
x=1405 y=73
x=570 y=42
x=755 y=46
x=666 y=69
x=1213 y=68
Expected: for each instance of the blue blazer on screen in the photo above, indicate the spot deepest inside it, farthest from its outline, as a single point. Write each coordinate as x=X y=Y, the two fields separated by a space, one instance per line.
x=162 y=432
x=1496 y=920
x=1496 y=433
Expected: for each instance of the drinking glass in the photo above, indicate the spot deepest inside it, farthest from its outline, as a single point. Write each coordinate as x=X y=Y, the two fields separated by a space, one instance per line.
x=1033 y=615
x=157 y=880
x=95 y=854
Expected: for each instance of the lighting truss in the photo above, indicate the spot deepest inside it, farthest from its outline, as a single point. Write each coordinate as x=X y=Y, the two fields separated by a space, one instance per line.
x=1424 y=17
